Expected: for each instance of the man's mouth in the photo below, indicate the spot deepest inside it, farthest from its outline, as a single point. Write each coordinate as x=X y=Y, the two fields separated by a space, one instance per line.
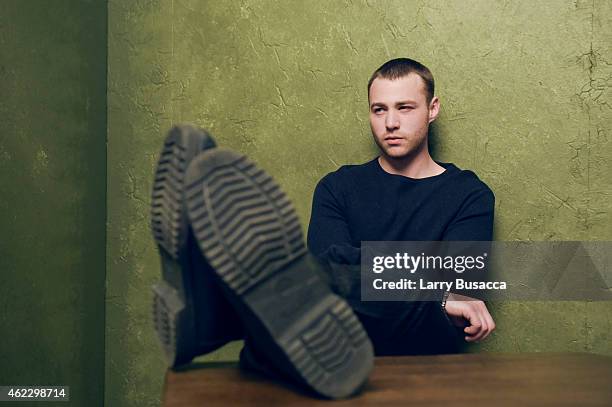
x=393 y=139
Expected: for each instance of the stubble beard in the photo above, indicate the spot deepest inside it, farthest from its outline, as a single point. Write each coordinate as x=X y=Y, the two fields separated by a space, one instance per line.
x=406 y=154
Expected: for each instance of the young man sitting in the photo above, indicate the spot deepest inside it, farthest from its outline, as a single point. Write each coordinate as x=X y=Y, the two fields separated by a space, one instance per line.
x=402 y=195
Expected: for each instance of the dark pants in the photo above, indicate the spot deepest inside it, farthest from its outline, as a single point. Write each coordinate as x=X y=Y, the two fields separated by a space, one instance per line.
x=394 y=327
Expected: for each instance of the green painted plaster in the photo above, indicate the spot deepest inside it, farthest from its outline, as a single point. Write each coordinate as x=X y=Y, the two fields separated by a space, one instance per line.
x=53 y=200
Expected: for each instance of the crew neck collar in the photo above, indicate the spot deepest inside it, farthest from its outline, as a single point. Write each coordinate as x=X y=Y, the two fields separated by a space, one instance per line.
x=448 y=168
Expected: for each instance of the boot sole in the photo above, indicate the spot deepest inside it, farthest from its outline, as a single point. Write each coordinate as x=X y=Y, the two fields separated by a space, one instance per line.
x=173 y=305
x=249 y=232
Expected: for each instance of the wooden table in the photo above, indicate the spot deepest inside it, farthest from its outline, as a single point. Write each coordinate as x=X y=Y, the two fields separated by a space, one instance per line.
x=484 y=379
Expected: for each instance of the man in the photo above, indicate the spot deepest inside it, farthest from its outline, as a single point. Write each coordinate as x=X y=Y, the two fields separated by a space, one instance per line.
x=402 y=195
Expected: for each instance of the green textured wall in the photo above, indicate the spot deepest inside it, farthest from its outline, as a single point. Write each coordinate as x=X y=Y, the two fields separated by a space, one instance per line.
x=53 y=199
x=526 y=103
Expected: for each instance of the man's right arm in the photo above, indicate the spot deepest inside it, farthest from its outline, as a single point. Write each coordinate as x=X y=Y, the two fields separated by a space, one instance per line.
x=329 y=235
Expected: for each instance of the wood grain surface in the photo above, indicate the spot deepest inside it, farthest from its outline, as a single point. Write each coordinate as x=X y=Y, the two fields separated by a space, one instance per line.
x=484 y=379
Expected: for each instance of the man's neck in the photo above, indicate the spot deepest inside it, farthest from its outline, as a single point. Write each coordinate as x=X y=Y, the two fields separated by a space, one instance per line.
x=419 y=166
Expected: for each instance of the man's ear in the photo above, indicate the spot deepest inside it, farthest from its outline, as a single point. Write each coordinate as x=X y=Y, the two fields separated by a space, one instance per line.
x=434 y=108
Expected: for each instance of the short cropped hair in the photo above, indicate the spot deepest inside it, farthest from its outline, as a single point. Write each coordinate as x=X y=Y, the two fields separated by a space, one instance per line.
x=400 y=67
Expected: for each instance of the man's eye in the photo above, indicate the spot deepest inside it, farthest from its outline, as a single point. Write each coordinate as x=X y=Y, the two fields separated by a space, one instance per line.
x=406 y=108
x=378 y=110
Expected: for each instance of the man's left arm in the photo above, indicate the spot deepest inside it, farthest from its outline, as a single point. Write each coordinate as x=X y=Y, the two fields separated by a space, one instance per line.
x=474 y=222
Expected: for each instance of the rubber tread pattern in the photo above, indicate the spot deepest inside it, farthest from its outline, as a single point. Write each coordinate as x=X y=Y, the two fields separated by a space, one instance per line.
x=248 y=235
x=172 y=316
x=166 y=309
x=248 y=230
x=167 y=187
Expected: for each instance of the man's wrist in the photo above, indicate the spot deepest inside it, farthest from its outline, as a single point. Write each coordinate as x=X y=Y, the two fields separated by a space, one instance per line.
x=444 y=299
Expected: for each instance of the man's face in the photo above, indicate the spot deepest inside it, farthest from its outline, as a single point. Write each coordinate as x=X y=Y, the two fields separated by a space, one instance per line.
x=400 y=115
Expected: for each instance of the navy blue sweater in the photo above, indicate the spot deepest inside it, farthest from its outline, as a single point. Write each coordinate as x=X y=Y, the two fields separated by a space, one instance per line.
x=365 y=203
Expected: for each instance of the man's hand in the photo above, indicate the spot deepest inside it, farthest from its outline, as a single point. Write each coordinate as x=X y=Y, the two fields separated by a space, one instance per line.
x=472 y=314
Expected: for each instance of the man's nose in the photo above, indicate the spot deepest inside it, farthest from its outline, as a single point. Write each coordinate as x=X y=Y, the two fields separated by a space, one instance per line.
x=391 y=121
